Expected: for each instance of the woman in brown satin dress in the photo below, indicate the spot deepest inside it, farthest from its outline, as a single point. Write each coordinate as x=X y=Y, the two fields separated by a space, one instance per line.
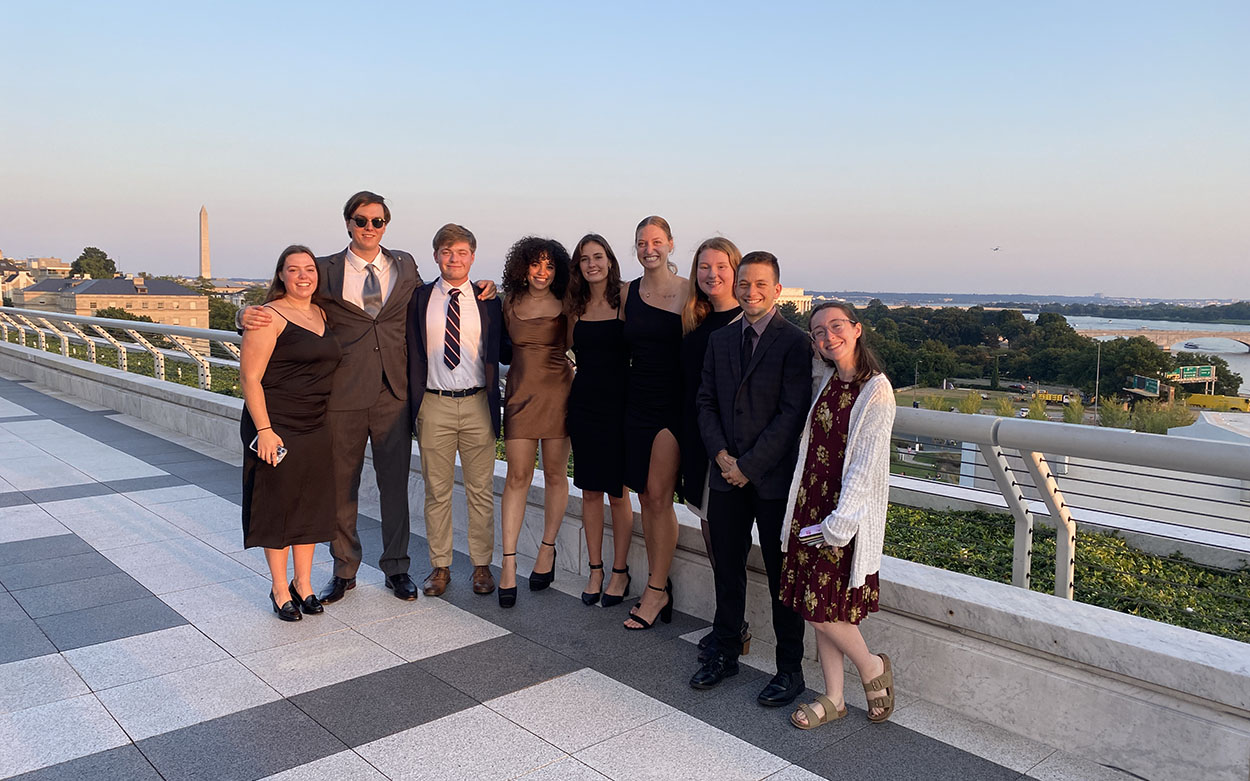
x=536 y=274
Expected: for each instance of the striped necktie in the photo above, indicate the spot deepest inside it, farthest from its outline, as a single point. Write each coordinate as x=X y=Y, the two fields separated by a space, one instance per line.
x=451 y=341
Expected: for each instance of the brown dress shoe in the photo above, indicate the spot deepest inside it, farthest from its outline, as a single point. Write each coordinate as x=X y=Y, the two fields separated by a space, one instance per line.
x=483 y=581
x=436 y=583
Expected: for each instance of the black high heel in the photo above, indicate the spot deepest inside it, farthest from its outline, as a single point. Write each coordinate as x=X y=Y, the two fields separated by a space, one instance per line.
x=591 y=597
x=611 y=600
x=666 y=612
x=507 y=596
x=541 y=580
x=309 y=604
x=288 y=611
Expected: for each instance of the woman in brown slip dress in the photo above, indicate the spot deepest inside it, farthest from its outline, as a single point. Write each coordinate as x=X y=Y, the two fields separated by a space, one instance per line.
x=536 y=274
x=286 y=369
x=596 y=419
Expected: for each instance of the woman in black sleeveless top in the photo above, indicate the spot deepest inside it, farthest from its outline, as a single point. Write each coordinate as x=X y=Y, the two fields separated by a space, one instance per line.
x=596 y=418
x=653 y=307
x=286 y=370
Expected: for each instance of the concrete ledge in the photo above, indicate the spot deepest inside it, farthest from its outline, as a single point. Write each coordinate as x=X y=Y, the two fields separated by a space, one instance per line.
x=1159 y=701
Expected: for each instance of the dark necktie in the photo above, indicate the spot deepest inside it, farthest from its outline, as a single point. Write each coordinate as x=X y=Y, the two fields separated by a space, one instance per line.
x=371 y=293
x=748 y=345
x=451 y=341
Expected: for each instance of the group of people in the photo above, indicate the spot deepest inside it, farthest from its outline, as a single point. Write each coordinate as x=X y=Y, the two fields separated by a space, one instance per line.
x=696 y=387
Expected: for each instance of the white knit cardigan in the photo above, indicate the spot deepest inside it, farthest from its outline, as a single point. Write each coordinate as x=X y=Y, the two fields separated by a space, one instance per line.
x=860 y=513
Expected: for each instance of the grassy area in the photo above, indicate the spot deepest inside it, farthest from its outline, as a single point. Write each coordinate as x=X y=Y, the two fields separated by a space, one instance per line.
x=1109 y=573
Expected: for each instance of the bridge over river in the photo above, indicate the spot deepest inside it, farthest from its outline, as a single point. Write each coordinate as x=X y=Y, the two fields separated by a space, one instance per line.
x=1166 y=338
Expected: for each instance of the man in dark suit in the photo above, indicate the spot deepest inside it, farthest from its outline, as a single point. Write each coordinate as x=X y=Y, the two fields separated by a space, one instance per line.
x=365 y=291
x=455 y=344
x=752 y=402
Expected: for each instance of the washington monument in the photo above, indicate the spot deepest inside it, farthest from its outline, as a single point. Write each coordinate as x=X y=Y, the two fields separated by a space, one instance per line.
x=204 y=269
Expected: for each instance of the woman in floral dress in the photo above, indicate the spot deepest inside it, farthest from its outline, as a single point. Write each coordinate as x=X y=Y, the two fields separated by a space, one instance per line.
x=836 y=508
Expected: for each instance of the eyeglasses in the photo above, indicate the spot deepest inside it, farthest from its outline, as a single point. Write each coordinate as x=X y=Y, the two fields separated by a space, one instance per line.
x=361 y=222
x=836 y=327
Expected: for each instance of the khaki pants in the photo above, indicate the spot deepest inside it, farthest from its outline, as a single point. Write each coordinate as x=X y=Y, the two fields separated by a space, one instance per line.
x=446 y=426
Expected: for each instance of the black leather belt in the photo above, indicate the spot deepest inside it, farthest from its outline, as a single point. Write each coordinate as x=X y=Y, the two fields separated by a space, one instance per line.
x=456 y=394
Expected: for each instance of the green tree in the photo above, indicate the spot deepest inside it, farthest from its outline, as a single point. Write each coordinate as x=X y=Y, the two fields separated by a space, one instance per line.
x=994 y=375
x=117 y=313
x=221 y=314
x=255 y=296
x=1003 y=407
x=1037 y=410
x=933 y=401
x=1111 y=413
x=1074 y=411
x=791 y=312
x=1156 y=417
x=95 y=263
x=970 y=404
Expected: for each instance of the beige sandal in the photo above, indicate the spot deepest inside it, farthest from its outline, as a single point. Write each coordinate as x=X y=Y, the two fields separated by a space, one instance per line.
x=882 y=683
x=814 y=721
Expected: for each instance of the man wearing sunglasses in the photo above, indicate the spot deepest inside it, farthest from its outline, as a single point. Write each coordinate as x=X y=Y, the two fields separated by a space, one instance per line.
x=365 y=290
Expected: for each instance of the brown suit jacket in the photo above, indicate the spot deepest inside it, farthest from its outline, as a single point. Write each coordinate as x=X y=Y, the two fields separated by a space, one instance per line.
x=375 y=353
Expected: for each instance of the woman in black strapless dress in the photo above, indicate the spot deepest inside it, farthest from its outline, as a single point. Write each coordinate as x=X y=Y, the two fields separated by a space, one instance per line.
x=285 y=370
x=596 y=419
x=653 y=402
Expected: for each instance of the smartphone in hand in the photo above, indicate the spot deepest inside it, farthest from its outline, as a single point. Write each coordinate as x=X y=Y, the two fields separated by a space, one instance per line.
x=281 y=450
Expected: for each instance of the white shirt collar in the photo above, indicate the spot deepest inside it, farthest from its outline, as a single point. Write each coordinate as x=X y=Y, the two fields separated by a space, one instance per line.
x=465 y=287
x=360 y=263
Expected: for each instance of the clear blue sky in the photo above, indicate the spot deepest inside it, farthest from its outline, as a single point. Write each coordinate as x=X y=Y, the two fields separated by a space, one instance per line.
x=880 y=146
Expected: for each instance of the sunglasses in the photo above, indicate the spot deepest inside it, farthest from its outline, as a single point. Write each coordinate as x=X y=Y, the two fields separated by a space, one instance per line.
x=361 y=222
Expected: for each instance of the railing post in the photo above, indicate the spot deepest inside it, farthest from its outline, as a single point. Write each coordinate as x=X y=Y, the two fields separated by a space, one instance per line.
x=1022 y=550
x=121 y=351
x=203 y=370
x=43 y=340
x=1065 y=527
x=158 y=357
x=90 y=343
x=64 y=339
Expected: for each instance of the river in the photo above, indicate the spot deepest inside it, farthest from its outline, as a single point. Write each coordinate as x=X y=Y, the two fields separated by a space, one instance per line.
x=1236 y=353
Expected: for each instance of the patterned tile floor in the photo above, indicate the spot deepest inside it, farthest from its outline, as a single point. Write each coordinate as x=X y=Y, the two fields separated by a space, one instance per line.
x=136 y=642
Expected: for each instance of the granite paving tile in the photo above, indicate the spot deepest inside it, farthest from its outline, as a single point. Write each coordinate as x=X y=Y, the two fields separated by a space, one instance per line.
x=68 y=492
x=117 y=523
x=21 y=638
x=794 y=773
x=887 y=752
x=566 y=769
x=38 y=548
x=10 y=610
x=54 y=733
x=343 y=766
x=28 y=522
x=370 y=602
x=181 y=699
x=556 y=709
x=680 y=746
x=663 y=671
x=436 y=628
x=475 y=743
x=318 y=661
x=38 y=681
x=147 y=497
x=124 y=762
x=985 y=740
x=126 y=485
x=176 y=564
x=370 y=707
x=13 y=498
x=139 y=657
x=63 y=569
x=241 y=746
x=1065 y=767
x=108 y=622
x=202 y=516
x=79 y=594
x=40 y=472
x=495 y=667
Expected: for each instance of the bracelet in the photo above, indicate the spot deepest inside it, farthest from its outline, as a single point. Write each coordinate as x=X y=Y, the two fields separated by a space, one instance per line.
x=266 y=428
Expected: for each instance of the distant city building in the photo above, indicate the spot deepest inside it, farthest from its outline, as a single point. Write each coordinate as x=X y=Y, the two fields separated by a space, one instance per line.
x=160 y=299
x=13 y=278
x=795 y=295
x=44 y=268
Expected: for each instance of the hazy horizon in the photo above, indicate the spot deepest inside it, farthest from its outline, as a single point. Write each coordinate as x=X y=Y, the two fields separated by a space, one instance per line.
x=1100 y=147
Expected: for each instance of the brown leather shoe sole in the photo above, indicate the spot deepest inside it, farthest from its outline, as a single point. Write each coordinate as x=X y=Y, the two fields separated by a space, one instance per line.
x=483 y=580
x=436 y=583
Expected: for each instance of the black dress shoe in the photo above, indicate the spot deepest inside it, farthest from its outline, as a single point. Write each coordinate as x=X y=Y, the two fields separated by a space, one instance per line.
x=287 y=611
x=717 y=669
x=782 y=690
x=541 y=580
x=708 y=647
x=309 y=604
x=335 y=589
x=403 y=586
